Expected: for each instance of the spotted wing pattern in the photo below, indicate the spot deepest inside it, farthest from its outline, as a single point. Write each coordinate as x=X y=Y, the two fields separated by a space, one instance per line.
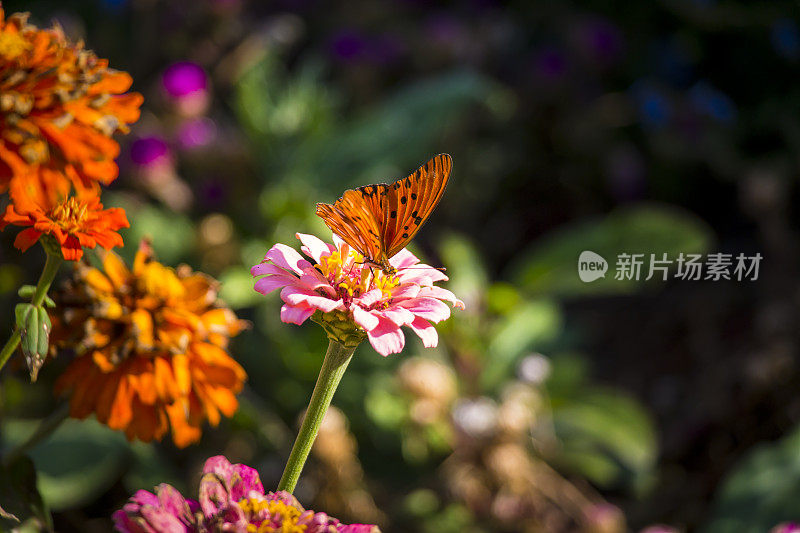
x=380 y=220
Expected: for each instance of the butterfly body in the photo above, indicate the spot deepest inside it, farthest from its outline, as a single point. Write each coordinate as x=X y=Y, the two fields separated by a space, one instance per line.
x=380 y=220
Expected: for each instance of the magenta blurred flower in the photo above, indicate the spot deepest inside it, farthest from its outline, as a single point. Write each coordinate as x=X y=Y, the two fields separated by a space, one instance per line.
x=186 y=84
x=196 y=133
x=786 y=527
x=231 y=498
x=150 y=152
x=184 y=78
x=340 y=285
x=166 y=510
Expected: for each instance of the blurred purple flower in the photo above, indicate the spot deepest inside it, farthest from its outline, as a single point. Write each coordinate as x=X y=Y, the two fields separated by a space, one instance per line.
x=445 y=29
x=600 y=40
x=550 y=64
x=184 y=78
x=625 y=172
x=212 y=193
x=231 y=498
x=785 y=37
x=197 y=132
x=349 y=45
x=712 y=102
x=150 y=151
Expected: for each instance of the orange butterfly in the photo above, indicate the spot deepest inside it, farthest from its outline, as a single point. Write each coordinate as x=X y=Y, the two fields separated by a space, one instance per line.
x=380 y=220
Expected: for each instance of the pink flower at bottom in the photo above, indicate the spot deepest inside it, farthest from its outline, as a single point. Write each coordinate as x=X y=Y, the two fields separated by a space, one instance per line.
x=232 y=499
x=377 y=302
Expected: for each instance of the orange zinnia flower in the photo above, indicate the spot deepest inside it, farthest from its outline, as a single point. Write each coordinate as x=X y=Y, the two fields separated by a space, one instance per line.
x=59 y=106
x=75 y=221
x=151 y=348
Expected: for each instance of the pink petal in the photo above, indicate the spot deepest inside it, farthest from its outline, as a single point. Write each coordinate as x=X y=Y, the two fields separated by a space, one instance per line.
x=357 y=528
x=314 y=246
x=421 y=274
x=162 y=521
x=171 y=500
x=295 y=315
x=409 y=290
x=399 y=315
x=267 y=284
x=442 y=294
x=246 y=480
x=365 y=319
x=265 y=267
x=370 y=298
x=403 y=259
x=297 y=296
x=387 y=337
x=428 y=308
x=426 y=332
x=314 y=280
x=287 y=257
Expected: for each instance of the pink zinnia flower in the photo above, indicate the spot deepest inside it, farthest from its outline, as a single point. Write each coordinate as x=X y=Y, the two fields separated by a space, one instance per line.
x=340 y=284
x=231 y=498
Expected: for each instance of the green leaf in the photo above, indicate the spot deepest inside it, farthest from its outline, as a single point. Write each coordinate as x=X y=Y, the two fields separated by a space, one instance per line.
x=150 y=468
x=77 y=463
x=608 y=437
x=22 y=505
x=237 y=288
x=551 y=265
x=761 y=491
x=468 y=276
x=390 y=139
x=527 y=326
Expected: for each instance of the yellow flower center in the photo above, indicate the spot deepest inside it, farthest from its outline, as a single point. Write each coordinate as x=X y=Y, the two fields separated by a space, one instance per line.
x=70 y=214
x=351 y=276
x=282 y=518
x=12 y=45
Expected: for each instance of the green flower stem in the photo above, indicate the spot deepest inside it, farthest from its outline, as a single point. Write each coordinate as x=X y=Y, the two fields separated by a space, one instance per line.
x=45 y=280
x=45 y=429
x=336 y=360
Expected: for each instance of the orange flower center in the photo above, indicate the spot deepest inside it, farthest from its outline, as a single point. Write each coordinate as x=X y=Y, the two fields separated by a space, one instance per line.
x=12 y=45
x=70 y=215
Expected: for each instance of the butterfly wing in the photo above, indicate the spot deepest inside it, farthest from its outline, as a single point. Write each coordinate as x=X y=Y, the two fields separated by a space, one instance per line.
x=380 y=220
x=410 y=201
x=353 y=218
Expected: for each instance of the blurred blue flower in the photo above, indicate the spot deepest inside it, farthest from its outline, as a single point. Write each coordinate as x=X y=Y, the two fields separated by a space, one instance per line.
x=114 y=5
x=550 y=64
x=785 y=37
x=674 y=61
x=712 y=102
x=655 y=109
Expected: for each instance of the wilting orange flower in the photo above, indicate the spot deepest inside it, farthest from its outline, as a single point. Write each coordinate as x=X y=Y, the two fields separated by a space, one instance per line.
x=59 y=106
x=151 y=348
x=45 y=204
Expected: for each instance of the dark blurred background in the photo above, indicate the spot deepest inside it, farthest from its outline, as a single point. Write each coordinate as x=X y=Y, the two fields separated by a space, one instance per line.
x=551 y=404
